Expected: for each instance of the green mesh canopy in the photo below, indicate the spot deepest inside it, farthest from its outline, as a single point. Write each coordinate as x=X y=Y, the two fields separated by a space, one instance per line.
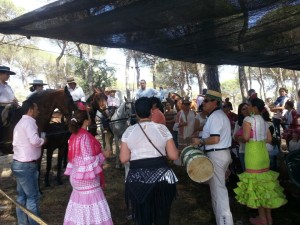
x=261 y=33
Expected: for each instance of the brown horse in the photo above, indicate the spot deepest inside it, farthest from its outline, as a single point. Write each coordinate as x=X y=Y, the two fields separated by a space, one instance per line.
x=47 y=101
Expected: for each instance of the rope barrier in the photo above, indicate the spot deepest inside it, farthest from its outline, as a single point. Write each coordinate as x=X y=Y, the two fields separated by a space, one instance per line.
x=26 y=211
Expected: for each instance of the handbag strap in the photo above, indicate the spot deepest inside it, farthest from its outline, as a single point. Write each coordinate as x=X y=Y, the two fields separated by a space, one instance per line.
x=149 y=139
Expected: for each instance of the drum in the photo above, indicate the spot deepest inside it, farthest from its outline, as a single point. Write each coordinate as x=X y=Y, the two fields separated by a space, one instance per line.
x=198 y=166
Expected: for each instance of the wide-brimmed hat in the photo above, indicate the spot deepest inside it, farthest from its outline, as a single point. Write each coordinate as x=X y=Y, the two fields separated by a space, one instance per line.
x=6 y=69
x=71 y=80
x=214 y=95
x=37 y=82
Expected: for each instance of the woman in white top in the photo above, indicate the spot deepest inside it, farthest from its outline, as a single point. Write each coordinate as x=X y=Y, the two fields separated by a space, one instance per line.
x=150 y=183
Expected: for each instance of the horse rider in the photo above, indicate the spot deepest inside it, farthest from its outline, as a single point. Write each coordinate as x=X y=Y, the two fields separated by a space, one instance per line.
x=37 y=85
x=7 y=96
x=113 y=102
x=75 y=90
x=146 y=92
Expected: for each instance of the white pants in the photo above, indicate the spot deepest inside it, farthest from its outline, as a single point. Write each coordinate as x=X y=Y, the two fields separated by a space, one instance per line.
x=218 y=190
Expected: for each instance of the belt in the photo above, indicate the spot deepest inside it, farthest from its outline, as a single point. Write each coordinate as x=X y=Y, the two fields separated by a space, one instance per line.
x=32 y=161
x=215 y=149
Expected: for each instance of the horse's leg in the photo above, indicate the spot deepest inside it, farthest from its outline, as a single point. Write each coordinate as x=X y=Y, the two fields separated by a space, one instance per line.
x=61 y=153
x=39 y=168
x=107 y=138
x=50 y=151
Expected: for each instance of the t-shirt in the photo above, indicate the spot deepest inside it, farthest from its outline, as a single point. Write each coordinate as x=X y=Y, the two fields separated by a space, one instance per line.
x=218 y=124
x=139 y=145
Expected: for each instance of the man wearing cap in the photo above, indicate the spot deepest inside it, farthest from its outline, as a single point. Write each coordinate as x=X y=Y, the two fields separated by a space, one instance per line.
x=7 y=96
x=37 y=85
x=145 y=92
x=216 y=140
x=75 y=90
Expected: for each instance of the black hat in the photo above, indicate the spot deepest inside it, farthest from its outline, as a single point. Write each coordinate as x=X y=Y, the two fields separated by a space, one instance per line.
x=5 y=69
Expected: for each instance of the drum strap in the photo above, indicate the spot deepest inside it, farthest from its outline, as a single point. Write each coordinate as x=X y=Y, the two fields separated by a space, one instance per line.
x=150 y=140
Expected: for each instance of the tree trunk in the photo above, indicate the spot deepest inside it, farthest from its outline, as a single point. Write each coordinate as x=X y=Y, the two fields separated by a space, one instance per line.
x=90 y=70
x=199 y=74
x=243 y=82
x=296 y=82
x=128 y=59
x=154 y=74
x=281 y=78
x=83 y=76
x=59 y=58
x=212 y=77
x=262 y=82
x=138 y=72
x=250 y=79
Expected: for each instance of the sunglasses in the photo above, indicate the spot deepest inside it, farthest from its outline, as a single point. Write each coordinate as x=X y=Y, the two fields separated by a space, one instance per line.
x=208 y=100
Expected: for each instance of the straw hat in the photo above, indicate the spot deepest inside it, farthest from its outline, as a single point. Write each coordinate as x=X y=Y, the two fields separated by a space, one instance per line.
x=70 y=80
x=37 y=82
x=214 y=95
x=6 y=69
x=109 y=90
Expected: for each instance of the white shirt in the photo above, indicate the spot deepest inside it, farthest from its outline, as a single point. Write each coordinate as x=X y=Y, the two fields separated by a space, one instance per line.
x=77 y=94
x=139 y=145
x=26 y=141
x=147 y=92
x=6 y=93
x=259 y=127
x=113 y=101
x=199 y=101
x=218 y=124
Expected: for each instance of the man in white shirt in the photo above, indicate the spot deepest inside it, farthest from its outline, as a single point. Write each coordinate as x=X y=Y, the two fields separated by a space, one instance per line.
x=7 y=96
x=75 y=90
x=145 y=92
x=216 y=139
x=27 y=150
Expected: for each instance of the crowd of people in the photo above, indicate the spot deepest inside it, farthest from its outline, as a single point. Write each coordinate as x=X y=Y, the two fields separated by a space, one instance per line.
x=160 y=134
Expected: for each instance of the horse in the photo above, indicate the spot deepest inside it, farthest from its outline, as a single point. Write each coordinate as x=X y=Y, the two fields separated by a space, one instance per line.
x=47 y=101
x=119 y=122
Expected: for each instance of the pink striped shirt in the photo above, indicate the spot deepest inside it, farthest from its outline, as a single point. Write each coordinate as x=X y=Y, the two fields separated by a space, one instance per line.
x=26 y=141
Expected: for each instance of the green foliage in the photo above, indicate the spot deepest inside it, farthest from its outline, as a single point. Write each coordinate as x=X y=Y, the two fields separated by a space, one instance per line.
x=102 y=74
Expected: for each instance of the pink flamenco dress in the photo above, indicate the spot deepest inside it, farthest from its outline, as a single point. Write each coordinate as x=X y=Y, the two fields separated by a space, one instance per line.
x=87 y=204
x=258 y=185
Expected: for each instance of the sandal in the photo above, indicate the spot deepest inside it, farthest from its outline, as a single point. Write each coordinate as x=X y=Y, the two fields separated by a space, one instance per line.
x=258 y=221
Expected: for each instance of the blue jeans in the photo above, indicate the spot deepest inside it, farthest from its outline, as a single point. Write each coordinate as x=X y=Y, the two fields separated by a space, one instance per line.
x=28 y=190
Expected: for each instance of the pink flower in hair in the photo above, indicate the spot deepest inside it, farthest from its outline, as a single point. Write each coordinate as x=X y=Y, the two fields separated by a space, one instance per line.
x=81 y=106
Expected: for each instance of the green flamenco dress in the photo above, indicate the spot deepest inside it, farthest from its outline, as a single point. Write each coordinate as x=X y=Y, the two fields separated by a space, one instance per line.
x=258 y=185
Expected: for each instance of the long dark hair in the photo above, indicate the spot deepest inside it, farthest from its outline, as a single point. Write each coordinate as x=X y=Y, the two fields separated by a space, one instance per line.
x=241 y=117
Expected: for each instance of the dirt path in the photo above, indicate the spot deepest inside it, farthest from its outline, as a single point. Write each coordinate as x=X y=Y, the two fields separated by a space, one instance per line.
x=191 y=207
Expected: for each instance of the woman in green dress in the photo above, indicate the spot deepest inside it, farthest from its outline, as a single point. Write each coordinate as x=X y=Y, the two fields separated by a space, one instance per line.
x=258 y=187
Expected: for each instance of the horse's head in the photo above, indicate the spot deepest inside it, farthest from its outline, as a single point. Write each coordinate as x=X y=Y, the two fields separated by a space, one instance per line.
x=98 y=100
x=129 y=107
x=66 y=104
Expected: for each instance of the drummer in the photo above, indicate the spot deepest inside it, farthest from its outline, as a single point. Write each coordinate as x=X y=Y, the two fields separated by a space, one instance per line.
x=216 y=140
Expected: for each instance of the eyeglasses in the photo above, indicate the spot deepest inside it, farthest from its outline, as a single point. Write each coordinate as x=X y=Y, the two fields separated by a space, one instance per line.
x=142 y=83
x=208 y=100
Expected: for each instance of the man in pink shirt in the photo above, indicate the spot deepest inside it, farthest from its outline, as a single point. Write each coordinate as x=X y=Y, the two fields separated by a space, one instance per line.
x=27 y=150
